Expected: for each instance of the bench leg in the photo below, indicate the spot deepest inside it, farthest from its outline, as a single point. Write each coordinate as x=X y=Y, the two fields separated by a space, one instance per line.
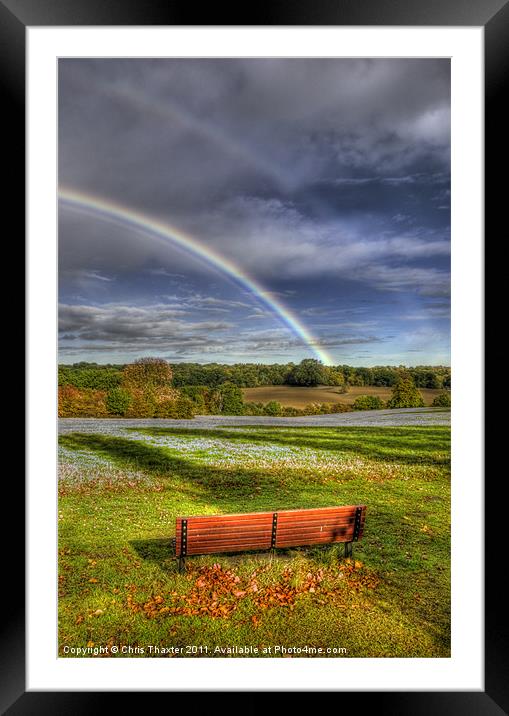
x=348 y=549
x=182 y=564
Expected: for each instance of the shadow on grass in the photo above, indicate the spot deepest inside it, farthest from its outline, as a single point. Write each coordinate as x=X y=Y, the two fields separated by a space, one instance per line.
x=224 y=486
x=407 y=445
x=162 y=553
x=245 y=490
x=159 y=551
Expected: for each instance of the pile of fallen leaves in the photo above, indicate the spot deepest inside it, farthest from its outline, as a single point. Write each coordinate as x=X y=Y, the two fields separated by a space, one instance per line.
x=213 y=593
x=284 y=592
x=358 y=576
x=216 y=592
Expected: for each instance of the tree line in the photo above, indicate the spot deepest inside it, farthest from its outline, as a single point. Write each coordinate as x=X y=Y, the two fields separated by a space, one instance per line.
x=308 y=372
x=147 y=389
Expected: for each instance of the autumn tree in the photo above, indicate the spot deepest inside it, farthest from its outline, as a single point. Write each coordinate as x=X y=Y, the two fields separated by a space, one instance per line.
x=145 y=373
x=81 y=403
x=405 y=395
x=148 y=382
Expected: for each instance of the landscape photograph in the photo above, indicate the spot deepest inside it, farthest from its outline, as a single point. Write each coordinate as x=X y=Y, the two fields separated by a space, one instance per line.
x=254 y=382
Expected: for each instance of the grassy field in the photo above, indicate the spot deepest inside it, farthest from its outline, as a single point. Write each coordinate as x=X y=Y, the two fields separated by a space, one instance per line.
x=297 y=397
x=118 y=583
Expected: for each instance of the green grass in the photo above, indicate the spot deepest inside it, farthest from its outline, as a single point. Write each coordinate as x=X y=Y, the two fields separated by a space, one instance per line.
x=394 y=602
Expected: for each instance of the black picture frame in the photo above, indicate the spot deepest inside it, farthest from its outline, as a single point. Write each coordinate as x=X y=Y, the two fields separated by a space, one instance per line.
x=493 y=15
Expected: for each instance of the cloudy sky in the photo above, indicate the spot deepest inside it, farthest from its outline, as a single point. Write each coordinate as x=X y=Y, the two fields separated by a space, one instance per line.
x=255 y=210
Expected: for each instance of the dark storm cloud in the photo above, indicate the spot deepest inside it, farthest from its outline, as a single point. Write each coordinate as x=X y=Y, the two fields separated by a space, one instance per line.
x=175 y=134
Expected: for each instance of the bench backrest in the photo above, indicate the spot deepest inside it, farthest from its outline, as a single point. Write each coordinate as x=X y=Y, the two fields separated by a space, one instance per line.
x=212 y=534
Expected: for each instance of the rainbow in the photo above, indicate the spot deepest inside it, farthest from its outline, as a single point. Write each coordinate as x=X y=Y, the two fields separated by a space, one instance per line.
x=213 y=133
x=166 y=233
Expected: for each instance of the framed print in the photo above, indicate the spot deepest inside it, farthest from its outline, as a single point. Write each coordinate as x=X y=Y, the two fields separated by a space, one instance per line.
x=323 y=141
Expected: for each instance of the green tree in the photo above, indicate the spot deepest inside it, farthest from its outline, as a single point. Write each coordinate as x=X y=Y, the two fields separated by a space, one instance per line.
x=253 y=408
x=273 y=407
x=405 y=395
x=384 y=376
x=231 y=401
x=97 y=378
x=309 y=372
x=333 y=376
x=118 y=401
x=364 y=376
x=368 y=402
x=442 y=401
x=199 y=394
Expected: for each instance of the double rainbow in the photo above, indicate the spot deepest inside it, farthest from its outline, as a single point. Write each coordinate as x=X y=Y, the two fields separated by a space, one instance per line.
x=166 y=234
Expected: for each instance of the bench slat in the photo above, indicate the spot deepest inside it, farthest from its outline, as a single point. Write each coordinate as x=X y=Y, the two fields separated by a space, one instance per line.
x=304 y=524
x=285 y=514
x=317 y=529
x=209 y=534
x=218 y=532
x=195 y=532
x=220 y=537
x=262 y=547
x=317 y=519
x=303 y=541
x=192 y=528
x=319 y=512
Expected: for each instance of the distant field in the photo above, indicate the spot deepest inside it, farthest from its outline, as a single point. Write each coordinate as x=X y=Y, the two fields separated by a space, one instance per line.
x=299 y=397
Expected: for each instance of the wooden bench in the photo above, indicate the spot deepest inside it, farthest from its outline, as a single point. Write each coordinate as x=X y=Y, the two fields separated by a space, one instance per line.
x=216 y=534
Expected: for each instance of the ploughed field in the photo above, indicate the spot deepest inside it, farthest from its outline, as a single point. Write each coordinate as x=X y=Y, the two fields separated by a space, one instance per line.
x=122 y=484
x=299 y=397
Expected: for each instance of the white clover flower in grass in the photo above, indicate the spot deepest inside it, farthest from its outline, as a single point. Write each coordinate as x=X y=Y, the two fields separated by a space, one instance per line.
x=222 y=453
x=219 y=452
x=81 y=466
